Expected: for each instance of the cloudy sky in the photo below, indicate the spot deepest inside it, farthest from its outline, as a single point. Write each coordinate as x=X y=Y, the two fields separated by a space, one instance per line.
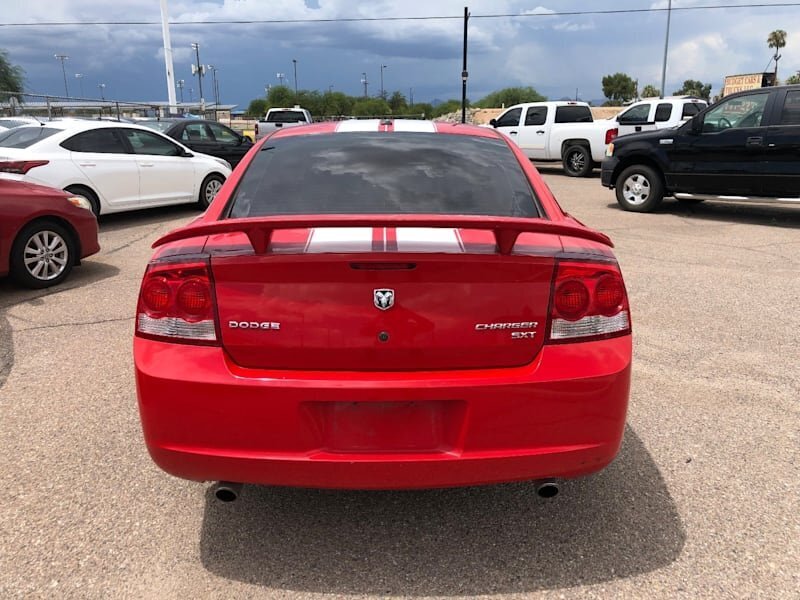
x=553 y=53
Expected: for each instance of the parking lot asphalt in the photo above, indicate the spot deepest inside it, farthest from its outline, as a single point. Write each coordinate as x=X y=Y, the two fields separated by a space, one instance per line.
x=703 y=501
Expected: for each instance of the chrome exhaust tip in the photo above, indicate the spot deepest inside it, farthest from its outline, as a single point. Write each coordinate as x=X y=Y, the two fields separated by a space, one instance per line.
x=547 y=489
x=227 y=491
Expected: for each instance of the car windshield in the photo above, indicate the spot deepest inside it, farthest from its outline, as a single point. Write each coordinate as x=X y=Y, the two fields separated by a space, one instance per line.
x=157 y=125
x=380 y=173
x=22 y=137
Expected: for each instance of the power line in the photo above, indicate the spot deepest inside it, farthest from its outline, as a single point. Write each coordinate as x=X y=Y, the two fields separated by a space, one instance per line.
x=570 y=13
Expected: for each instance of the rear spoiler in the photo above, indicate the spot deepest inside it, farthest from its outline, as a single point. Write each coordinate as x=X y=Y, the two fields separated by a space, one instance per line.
x=506 y=229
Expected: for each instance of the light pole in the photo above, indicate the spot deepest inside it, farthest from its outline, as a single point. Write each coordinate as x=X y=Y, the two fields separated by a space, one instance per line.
x=198 y=68
x=411 y=96
x=79 y=77
x=364 y=81
x=294 y=61
x=281 y=78
x=102 y=88
x=62 y=58
x=191 y=95
x=666 y=49
x=180 y=83
x=330 y=89
x=383 y=92
x=213 y=70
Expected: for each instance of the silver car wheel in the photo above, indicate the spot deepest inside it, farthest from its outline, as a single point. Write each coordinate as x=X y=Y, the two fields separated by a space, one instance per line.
x=636 y=189
x=46 y=255
x=212 y=188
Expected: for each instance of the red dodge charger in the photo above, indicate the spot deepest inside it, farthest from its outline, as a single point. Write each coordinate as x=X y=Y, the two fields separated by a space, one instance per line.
x=44 y=232
x=383 y=305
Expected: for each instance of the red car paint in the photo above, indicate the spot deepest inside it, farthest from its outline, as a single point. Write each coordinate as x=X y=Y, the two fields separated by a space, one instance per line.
x=22 y=203
x=474 y=376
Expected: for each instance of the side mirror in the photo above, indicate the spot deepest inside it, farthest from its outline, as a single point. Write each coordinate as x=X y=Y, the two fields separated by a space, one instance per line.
x=696 y=125
x=187 y=154
x=493 y=122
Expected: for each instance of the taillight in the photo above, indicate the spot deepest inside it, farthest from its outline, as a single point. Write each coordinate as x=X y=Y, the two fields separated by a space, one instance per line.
x=20 y=167
x=176 y=303
x=610 y=135
x=588 y=302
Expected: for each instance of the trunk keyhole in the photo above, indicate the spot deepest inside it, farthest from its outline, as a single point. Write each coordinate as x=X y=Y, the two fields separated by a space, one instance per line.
x=383 y=336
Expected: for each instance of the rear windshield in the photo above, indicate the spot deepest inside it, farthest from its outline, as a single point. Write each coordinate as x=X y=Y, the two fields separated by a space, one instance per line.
x=380 y=173
x=157 y=125
x=286 y=116
x=9 y=123
x=22 y=137
x=573 y=114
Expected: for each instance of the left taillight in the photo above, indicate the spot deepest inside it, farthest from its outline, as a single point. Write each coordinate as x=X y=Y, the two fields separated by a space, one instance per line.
x=20 y=167
x=588 y=302
x=177 y=303
x=611 y=135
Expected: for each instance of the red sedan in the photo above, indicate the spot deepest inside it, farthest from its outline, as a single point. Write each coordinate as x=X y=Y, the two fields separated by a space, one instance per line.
x=44 y=232
x=383 y=305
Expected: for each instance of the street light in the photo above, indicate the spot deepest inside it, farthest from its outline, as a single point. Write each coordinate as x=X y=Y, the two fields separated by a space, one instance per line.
x=102 y=88
x=383 y=93
x=281 y=78
x=62 y=58
x=180 y=83
x=214 y=82
x=79 y=77
x=198 y=68
x=294 y=60
x=364 y=81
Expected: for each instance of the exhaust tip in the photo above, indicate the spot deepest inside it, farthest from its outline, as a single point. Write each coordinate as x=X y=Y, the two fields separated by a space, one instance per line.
x=547 y=489
x=227 y=491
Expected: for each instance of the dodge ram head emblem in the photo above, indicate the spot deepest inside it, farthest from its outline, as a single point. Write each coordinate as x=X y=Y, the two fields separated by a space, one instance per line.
x=384 y=299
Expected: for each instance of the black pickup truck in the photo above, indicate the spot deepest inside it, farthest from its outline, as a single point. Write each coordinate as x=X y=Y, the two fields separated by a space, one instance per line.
x=744 y=148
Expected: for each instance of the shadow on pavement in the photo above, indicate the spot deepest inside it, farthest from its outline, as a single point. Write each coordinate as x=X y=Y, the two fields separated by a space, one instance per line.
x=619 y=523
x=748 y=214
x=147 y=216
x=12 y=294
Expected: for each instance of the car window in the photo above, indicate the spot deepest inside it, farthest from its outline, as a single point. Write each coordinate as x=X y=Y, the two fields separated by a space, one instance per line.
x=144 y=142
x=510 y=119
x=663 y=112
x=22 y=137
x=103 y=141
x=536 y=115
x=14 y=123
x=790 y=115
x=376 y=173
x=573 y=114
x=736 y=113
x=690 y=109
x=196 y=132
x=637 y=113
x=223 y=134
x=286 y=116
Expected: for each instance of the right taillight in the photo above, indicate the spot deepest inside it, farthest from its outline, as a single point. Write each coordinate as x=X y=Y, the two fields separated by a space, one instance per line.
x=20 y=167
x=611 y=134
x=589 y=302
x=176 y=303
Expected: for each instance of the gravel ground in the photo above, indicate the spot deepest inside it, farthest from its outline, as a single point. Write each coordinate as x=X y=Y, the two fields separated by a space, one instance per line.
x=702 y=501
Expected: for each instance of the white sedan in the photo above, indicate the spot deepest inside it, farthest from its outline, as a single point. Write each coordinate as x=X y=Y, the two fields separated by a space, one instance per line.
x=114 y=166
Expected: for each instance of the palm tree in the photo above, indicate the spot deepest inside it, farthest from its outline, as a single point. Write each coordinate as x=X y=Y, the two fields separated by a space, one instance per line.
x=777 y=40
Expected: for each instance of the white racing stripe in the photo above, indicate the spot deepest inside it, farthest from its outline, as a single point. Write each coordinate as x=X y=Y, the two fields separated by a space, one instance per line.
x=427 y=239
x=353 y=125
x=340 y=239
x=415 y=126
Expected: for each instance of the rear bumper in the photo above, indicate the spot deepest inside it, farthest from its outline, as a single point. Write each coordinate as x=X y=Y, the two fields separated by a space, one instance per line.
x=205 y=418
x=607 y=171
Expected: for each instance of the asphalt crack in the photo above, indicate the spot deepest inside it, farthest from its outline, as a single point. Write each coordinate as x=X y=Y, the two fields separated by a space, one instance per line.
x=58 y=325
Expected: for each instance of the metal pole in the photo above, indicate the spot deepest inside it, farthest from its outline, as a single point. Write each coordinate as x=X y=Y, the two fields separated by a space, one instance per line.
x=364 y=81
x=62 y=58
x=666 y=49
x=196 y=47
x=383 y=91
x=168 y=65
x=464 y=73
x=294 y=60
x=411 y=96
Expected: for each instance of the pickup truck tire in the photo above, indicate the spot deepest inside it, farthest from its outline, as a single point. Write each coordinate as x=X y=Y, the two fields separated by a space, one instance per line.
x=209 y=189
x=577 y=161
x=639 y=189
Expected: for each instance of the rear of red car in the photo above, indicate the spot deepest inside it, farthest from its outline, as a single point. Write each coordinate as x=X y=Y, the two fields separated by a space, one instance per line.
x=383 y=309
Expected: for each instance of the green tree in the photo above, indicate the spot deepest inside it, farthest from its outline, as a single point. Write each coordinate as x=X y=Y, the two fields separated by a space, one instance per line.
x=280 y=96
x=448 y=107
x=371 y=107
x=257 y=108
x=777 y=40
x=421 y=108
x=695 y=88
x=650 y=91
x=619 y=88
x=11 y=76
x=398 y=103
x=509 y=97
x=793 y=79
x=337 y=104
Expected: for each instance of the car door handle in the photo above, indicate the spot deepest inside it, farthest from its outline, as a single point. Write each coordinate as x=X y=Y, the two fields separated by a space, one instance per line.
x=755 y=140
x=147 y=164
x=512 y=133
x=87 y=164
x=638 y=128
x=540 y=132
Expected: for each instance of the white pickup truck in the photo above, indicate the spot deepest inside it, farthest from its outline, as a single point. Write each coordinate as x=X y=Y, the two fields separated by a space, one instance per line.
x=658 y=113
x=558 y=131
x=282 y=117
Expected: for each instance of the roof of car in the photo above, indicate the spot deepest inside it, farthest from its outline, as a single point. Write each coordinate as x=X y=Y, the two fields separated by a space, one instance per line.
x=387 y=126
x=84 y=125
